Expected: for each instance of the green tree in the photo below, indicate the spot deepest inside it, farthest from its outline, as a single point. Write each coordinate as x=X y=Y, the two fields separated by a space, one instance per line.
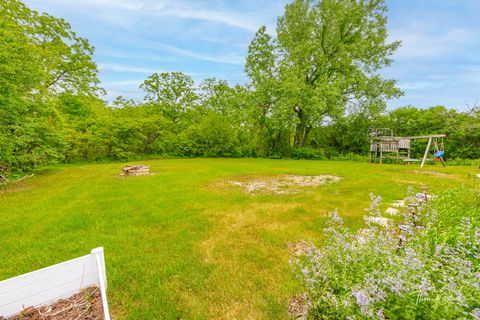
x=262 y=71
x=40 y=56
x=330 y=54
x=172 y=92
x=215 y=95
x=64 y=58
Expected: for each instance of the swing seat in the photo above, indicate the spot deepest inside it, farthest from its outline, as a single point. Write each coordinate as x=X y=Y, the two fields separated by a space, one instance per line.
x=436 y=159
x=439 y=153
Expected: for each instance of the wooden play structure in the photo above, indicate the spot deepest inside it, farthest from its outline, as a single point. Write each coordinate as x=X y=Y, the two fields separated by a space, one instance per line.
x=383 y=144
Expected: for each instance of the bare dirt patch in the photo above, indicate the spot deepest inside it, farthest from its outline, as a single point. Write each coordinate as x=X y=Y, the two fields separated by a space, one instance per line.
x=14 y=189
x=285 y=184
x=431 y=173
x=85 y=305
x=298 y=249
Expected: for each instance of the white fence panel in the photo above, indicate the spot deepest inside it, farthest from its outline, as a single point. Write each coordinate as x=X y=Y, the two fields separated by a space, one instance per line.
x=44 y=286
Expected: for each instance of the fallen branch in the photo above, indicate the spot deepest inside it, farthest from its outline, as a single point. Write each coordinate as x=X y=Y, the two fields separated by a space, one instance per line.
x=6 y=183
x=23 y=178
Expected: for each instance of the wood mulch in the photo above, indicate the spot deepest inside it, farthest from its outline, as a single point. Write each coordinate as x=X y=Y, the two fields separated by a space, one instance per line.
x=85 y=305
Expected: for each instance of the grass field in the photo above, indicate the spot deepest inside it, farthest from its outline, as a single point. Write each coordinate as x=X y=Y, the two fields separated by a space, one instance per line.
x=179 y=244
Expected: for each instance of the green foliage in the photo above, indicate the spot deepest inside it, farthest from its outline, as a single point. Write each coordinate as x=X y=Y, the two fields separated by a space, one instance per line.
x=350 y=134
x=309 y=153
x=39 y=56
x=171 y=92
x=427 y=270
x=60 y=59
x=325 y=60
x=213 y=137
x=261 y=69
x=453 y=207
x=314 y=92
x=331 y=52
x=461 y=128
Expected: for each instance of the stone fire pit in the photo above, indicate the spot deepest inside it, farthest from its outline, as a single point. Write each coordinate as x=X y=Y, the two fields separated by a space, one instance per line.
x=136 y=170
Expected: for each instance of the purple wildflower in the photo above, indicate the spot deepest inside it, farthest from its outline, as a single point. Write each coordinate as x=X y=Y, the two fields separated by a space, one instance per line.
x=476 y=313
x=361 y=297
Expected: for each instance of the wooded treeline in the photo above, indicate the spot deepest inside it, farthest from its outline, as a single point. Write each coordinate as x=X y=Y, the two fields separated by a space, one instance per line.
x=313 y=92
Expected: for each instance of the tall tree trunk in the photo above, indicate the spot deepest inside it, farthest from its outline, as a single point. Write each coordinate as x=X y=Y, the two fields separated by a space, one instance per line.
x=305 y=135
x=299 y=128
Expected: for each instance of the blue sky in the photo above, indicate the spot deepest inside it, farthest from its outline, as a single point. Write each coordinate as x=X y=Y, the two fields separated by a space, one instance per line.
x=438 y=63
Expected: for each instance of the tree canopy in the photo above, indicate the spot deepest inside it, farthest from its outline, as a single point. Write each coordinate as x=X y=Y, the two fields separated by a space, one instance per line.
x=314 y=90
x=40 y=57
x=326 y=58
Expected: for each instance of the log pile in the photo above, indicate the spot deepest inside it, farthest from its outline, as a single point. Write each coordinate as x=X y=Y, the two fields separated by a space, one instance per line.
x=136 y=170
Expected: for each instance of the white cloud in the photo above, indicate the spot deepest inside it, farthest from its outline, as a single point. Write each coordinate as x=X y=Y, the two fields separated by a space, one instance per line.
x=420 y=41
x=227 y=59
x=107 y=52
x=226 y=18
x=114 y=11
x=470 y=74
x=419 y=85
x=126 y=68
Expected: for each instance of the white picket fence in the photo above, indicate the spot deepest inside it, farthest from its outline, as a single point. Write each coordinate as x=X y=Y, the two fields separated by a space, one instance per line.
x=45 y=286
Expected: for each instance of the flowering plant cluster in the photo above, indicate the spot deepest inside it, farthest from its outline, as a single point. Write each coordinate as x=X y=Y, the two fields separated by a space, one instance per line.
x=406 y=271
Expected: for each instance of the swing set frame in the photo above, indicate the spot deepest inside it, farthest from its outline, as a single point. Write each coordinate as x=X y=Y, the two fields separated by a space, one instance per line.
x=436 y=148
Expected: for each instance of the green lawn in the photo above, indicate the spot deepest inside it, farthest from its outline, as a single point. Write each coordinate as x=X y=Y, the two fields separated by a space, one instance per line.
x=178 y=243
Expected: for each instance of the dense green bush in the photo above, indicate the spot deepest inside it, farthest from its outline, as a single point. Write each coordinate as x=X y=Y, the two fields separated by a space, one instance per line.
x=464 y=162
x=309 y=153
x=427 y=269
x=213 y=137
